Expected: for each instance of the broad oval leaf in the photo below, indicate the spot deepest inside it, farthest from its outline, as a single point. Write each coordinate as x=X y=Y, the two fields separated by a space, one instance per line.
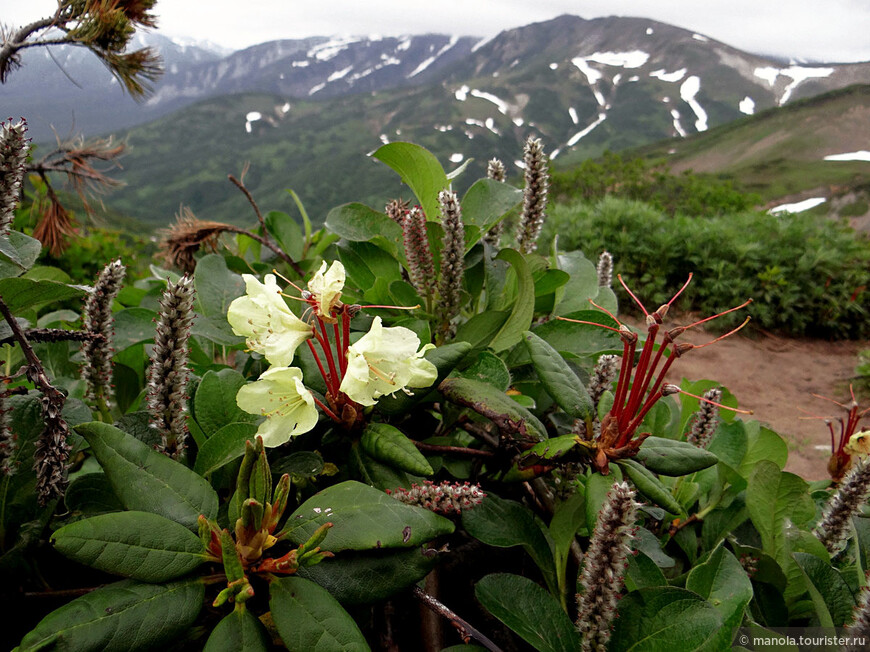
x=723 y=581
x=665 y=618
x=388 y=444
x=558 y=379
x=650 y=486
x=528 y=610
x=523 y=310
x=489 y=368
x=22 y=293
x=122 y=617
x=139 y=545
x=18 y=252
x=418 y=168
x=497 y=406
x=147 y=481
x=214 y=403
x=223 y=446
x=828 y=590
x=309 y=619
x=239 y=631
x=365 y=577
x=364 y=518
x=672 y=457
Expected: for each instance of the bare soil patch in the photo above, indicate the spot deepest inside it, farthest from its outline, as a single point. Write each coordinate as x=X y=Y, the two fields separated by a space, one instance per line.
x=774 y=376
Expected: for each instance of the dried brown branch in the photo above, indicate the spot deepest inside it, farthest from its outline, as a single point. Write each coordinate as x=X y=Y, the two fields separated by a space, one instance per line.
x=54 y=335
x=465 y=630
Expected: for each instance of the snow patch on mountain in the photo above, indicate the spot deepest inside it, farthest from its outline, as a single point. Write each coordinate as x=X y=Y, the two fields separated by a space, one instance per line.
x=461 y=93
x=592 y=75
x=429 y=61
x=699 y=37
x=862 y=155
x=632 y=59
x=573 y=113
x=580 y=134
x=672 y=77
x=554 y=65
x=677 y=125
x=316 y=88
x=747 y=105
x=797 y=74
x=688 y=90
x=649 y=30
x=338 y=74
x=250 y=118
x=331 y=49
x=798 y=207
x=489 y=97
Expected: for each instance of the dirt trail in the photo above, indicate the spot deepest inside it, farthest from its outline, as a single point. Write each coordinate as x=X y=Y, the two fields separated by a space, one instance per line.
x=773 y=376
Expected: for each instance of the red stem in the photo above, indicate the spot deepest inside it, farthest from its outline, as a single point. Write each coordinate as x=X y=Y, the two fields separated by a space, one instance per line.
x=330 y=361
x=628 y=349
x=319 y=363
x=638 y=388
x=332 y=415
x=339 y=349
x=650 y=401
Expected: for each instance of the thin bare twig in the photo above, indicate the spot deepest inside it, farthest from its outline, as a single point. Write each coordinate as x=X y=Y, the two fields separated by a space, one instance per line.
x=241 y=186
x=54 y=335
x=456 y=450
x=465 y=630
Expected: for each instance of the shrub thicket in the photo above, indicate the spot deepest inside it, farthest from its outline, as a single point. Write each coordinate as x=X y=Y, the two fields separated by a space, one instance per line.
x=807 y=277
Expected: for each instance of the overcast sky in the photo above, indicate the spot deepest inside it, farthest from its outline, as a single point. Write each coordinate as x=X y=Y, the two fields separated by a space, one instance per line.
x=816 y=30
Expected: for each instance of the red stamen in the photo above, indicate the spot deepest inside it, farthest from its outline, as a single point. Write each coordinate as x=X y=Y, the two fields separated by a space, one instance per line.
x=603 y=309
x=339 y=349
x=628 y=349
x=725 y=312
x=287 y=280
x=330 y=361
x=719 y=405
x=631 y=294
x=651 y=397
x=833 y=437
x=591 y=323
x=641 y=383
x=680 y=291
x=722 y=337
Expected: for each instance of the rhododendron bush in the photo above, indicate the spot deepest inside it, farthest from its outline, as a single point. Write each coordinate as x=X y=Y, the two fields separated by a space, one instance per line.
x=413 y=428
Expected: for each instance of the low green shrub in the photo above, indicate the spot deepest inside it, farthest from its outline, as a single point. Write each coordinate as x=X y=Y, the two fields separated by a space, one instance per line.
x=807 y=277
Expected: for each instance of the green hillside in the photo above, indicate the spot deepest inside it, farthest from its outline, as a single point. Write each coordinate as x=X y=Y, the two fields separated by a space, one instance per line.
x=780 y=152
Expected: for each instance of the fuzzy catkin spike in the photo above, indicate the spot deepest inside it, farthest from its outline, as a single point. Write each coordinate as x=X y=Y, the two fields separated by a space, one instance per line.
x=52 y=449
x=604 y=567
x=420 y=266
x=495 y=170
x=833 y=528
x=860 y=627
x=444 y=498
x=452 y=257
x=396 y=210
x=602 y=376
x=605 y=270
x=168 y=373
x=13 y=156
x=97 y=318
x=705 y=420
x=8 y=440
x=534 y=196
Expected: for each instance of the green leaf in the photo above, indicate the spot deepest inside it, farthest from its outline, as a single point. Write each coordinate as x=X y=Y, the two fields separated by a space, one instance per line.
x=579 y=339
x=486 y=202
x=521 y=315
x=309 y=619
x=506 y=523
x=287 y=233
x=359 y=223
x=138 y=545
x=777 y=501
x=239 y=631
x=583 y=285
x=216 y=286
x=723 y=582
x=364 y=519
x=486 y=400
x=528 y=610
x=418 y=168
x=144 y=480
x=214 y=403
x=481 y=329
x=665 y=618
x=489 y=368
x=133 y=326
x=366 y=577
x=18 y=252
x=762 y=444
x=389 y=445
x=672 y=457
x=558 y=379
x=597 y=488
x=120 y=617
x=829 y=592
x=445 y=358
x=20 y=294
x=91 y=494
x=643 y=572
x=223 y=446
x=650 y=486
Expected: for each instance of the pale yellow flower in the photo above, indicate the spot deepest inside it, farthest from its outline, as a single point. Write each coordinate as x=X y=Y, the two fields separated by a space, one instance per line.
x=859 y=444
x=385 y=361
x=326 y=286
x=262 y=316
x=280 y=396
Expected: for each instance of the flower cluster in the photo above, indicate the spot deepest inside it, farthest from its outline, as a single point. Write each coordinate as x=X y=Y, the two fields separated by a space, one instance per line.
x=444 y=498
x=638 y=389
x=380 y=363
x=850 y=443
